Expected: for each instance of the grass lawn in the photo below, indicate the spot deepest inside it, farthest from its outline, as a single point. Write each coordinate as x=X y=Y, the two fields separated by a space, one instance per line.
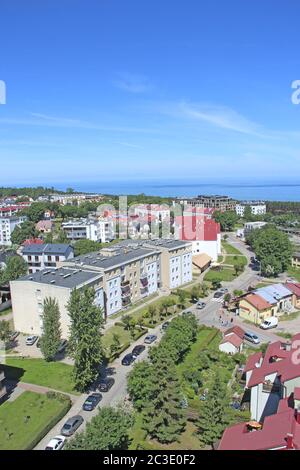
x=7 y=311
x=291 y=316
x=294 y=272
x=56 y=375
x=187 y=441
x=230 y=250
x=26 y=418
x=234 y=259
x=225 y=274
x=124 y=336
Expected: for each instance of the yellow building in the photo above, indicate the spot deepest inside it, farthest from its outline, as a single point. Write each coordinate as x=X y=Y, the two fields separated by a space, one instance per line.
x=254 y=308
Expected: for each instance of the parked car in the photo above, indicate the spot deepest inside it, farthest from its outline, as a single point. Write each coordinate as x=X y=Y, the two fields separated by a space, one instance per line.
x=30 y=340
x=62 y=346
x=200 y=305
x=165 y=325
x=218 y=294
x=251 y=337
x=271 y=322
x=128 y=359
x=187 y=312
x=106 y=384
x=56 y=443
x=14 y=335
x=150 y=339
x=71 y=425
x=137 y=350
x=224 y=290
x=92 y=401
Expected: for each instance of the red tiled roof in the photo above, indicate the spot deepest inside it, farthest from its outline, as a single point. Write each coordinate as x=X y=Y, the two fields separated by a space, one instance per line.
x=235 y=329
x=233 y=339
x=286 y=368
x=272 y=435
x=32 y=241
x=252 y=360
x=293 y=287
x=257 y=301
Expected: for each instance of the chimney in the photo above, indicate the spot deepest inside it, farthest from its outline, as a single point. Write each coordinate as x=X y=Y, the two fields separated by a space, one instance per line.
x=288 y=346
x=289 y=441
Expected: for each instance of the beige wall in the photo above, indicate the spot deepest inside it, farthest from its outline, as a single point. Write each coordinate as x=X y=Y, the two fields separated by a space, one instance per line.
x=249 y=312
x=25 y=305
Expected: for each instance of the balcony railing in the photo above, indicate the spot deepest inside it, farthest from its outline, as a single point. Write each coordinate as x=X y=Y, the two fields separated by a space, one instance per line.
x=271 y=387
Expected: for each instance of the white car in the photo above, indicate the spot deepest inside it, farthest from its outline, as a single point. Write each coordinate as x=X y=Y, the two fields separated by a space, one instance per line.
x=56 y=443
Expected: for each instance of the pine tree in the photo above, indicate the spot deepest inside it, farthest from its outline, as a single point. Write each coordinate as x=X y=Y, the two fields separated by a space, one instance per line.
x=213 y=417
x=163 y=416
x=51 y=336
x=85 y=344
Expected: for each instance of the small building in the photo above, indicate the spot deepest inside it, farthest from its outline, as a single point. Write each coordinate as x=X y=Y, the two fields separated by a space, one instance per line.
x=44 y=226
x=249 y=226
x=231 y=344
x=295 y=289
x=47 y=255
x=201 y=262
x=296 y=259
x=256 y=309
x=256 y=207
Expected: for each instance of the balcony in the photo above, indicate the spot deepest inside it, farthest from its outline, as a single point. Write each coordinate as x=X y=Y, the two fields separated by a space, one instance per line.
x=144 y=281
x=144 y=291
x=126 y=301
x=271 y=387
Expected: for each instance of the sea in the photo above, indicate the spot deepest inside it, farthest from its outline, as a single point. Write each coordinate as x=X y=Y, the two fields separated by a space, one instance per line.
x=246 y=190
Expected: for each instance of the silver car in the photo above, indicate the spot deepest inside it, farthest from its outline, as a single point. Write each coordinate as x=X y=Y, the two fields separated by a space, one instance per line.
x=71 y=425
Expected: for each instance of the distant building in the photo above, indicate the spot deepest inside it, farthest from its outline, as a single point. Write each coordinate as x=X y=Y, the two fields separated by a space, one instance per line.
x=44 y=226
x=7 y=226
x=220 y=203
x=89 y=229
x=296 y=260
x=47 y=255
x=200 y=229
x=257 y=207
x=249 y=226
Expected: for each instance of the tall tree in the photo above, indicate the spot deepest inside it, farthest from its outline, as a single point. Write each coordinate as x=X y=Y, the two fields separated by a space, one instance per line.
x=85 y=344
x=51 y=335
x=213 y=417
x=5 y=331
x=108 y=430
x=22 y=232
x=15 y=267
x=163 y=416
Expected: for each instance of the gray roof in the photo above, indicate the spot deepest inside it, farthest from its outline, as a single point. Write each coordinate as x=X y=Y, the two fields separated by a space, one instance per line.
x=49 y=248
x=123 y=255
x=62 y=277
x=171 y=244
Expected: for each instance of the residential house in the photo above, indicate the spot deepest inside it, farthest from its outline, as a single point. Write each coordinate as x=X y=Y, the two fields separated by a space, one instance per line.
x=296 y=259
x=44 y=226
x=201 y=262
x=232 y=341
x=40 y=256
x=98 y=230
x=295 y=289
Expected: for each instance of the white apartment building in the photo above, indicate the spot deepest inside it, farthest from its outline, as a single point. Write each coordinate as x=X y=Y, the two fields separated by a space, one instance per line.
x=89 y=229
x=257 y=207
x=7 y=226
x=157 y=211
x=47 y=255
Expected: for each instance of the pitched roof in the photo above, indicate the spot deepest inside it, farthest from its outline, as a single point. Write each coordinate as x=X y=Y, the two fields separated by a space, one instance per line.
x=272 y=435
x=233 y=339
x=257 y=301
x=48 y=248
x=293 y=287
x=237 y=330
x=273 y=293
x=32 y=241
x=201 y=260
x=252 y=360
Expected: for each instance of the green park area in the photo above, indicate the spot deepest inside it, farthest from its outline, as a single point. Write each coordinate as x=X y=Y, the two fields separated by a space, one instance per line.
x=233 y=263
x=27 y=419
x=55 y=375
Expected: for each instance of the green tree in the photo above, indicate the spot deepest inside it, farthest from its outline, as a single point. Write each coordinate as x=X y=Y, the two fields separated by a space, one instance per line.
x=115 y=344
x=195 y=293
x=108 y=430
x=81 y=247
x=237 y=269
x=35 y=211
x=152 y=311
x=139 y=384
x=163 y=416
x=227 y=220
x=51 y=336
x=85 y=344
x=213 y=417
x=15 y=267
x=126 y=319
x=23 y=232
x=248 y=216
x=272 y=248
x=5 y=331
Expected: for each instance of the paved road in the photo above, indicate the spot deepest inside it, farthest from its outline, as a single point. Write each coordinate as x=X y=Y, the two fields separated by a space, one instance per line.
x=208 y=316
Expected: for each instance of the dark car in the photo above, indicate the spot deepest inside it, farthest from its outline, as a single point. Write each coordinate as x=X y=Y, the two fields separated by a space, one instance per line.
x=128 y=359
x=91 y=402
x=137 y=350
x=62 y=345
x=71 y=425
x=218 y=294
x=165 y=325
x=14 y=335
x=150 y=339
x=106 y=384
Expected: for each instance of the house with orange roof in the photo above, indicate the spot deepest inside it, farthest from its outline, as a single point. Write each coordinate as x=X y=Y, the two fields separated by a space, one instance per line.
x=254 y=308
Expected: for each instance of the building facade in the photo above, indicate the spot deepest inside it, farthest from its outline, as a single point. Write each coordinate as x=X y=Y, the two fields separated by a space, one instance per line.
x=47 y=255
x=257 y=207
x=7 y=226
x=89 y=229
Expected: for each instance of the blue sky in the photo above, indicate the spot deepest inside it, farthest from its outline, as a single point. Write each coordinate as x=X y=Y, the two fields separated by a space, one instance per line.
x=101 y=90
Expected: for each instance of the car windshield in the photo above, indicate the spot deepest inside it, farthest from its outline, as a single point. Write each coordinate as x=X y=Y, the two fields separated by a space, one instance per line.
x=67 y=426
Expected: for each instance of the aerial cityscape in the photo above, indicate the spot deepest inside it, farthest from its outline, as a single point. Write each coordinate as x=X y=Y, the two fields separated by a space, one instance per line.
x=149 y=228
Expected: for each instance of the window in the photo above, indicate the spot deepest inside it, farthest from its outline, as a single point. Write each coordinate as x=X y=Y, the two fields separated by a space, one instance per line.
x=56 y=258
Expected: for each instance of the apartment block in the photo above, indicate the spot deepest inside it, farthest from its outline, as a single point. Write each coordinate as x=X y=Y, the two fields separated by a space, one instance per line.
x=29 y=293
x=7 y=226
x=40 y=256
x=89 y=229
x=220 y=203
x=257 y=207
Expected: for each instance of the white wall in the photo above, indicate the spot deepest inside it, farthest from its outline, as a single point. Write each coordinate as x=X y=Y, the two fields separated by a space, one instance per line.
x=211 y=248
